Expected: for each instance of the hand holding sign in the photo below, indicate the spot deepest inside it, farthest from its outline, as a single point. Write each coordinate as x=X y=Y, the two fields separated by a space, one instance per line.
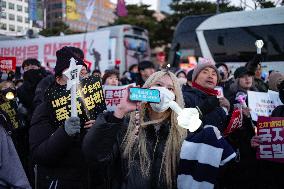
x=73 y=73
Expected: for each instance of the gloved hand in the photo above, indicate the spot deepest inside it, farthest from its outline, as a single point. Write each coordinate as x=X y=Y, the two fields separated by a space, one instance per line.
x=208 y=105
x=72 y=126
x=22 y=110
x=188 y=118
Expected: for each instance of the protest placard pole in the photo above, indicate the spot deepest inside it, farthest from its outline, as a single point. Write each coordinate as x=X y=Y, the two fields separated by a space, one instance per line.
x=73 y=73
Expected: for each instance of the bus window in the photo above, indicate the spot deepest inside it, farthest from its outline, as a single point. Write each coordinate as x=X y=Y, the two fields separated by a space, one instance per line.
x=128 y=45
x=237 y=44
x=136 y=49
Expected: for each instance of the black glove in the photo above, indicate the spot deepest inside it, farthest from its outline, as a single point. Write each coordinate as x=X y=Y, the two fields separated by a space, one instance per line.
x=72 y=126
x=209 y=104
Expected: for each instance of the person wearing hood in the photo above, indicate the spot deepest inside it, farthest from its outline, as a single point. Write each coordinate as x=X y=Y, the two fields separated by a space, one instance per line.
x=32 y=76
x=56 y=149
x=142 y=152
x=181 y=75
x=203 y=95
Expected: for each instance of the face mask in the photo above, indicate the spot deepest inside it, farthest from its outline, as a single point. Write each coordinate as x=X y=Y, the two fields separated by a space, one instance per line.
x=166 y=97
x=133 y=75
x=33 y=76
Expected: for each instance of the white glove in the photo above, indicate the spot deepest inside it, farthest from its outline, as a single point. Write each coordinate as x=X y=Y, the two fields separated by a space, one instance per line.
x=188 y=118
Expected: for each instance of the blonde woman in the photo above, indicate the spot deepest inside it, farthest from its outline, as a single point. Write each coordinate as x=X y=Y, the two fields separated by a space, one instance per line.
x=143 y=152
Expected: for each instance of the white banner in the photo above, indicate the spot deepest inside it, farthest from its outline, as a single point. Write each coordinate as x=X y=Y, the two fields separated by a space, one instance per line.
x=114 y=94
x=44 y=49
x=262 y=104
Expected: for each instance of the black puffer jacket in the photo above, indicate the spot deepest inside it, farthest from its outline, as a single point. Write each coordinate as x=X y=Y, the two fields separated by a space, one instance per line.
x=102 y=145
x=194 y=97
x=58 y=156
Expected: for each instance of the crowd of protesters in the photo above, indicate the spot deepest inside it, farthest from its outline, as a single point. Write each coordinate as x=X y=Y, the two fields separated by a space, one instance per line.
x=114 y=151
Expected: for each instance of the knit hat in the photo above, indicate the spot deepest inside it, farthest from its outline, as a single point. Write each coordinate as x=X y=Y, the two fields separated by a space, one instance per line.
x=202 y=66
x=63 y=59
x=274 y=80
x=241 y=71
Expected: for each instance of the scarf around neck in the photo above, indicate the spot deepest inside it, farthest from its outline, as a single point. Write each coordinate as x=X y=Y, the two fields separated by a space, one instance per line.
x=211 y=92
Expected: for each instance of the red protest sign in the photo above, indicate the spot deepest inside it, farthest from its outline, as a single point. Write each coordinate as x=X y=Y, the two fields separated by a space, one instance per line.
x=7 y=64
x=271 y=131
x=235 y=122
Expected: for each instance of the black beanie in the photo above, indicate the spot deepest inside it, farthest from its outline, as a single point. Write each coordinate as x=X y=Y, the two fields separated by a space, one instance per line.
x=63 y=59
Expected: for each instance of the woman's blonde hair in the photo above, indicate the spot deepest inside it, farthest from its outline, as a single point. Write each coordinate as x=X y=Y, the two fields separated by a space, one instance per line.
x=4 y=84
x=130 y=146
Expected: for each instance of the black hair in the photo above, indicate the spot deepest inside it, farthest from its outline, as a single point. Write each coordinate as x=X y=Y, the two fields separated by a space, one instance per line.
x=30 y=61
x=132 y=66
x=97 y=71
x=145 y=64
x=108 y=73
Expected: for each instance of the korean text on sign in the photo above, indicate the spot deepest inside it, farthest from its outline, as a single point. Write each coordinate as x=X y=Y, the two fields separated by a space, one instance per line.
x=90 y=101
x=271 y=131
x=21 y=52
x=113 y=95
x=10 y=111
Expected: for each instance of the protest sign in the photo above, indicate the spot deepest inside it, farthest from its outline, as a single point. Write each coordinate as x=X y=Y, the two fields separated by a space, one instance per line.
x=44 y=49
x=113 y=95
x=10 y=108
x=235 y=122
x=261 y=104
x=7 y=64
x=144 y=95
x=271 y=130
x=274 y=96
x=90 y=101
